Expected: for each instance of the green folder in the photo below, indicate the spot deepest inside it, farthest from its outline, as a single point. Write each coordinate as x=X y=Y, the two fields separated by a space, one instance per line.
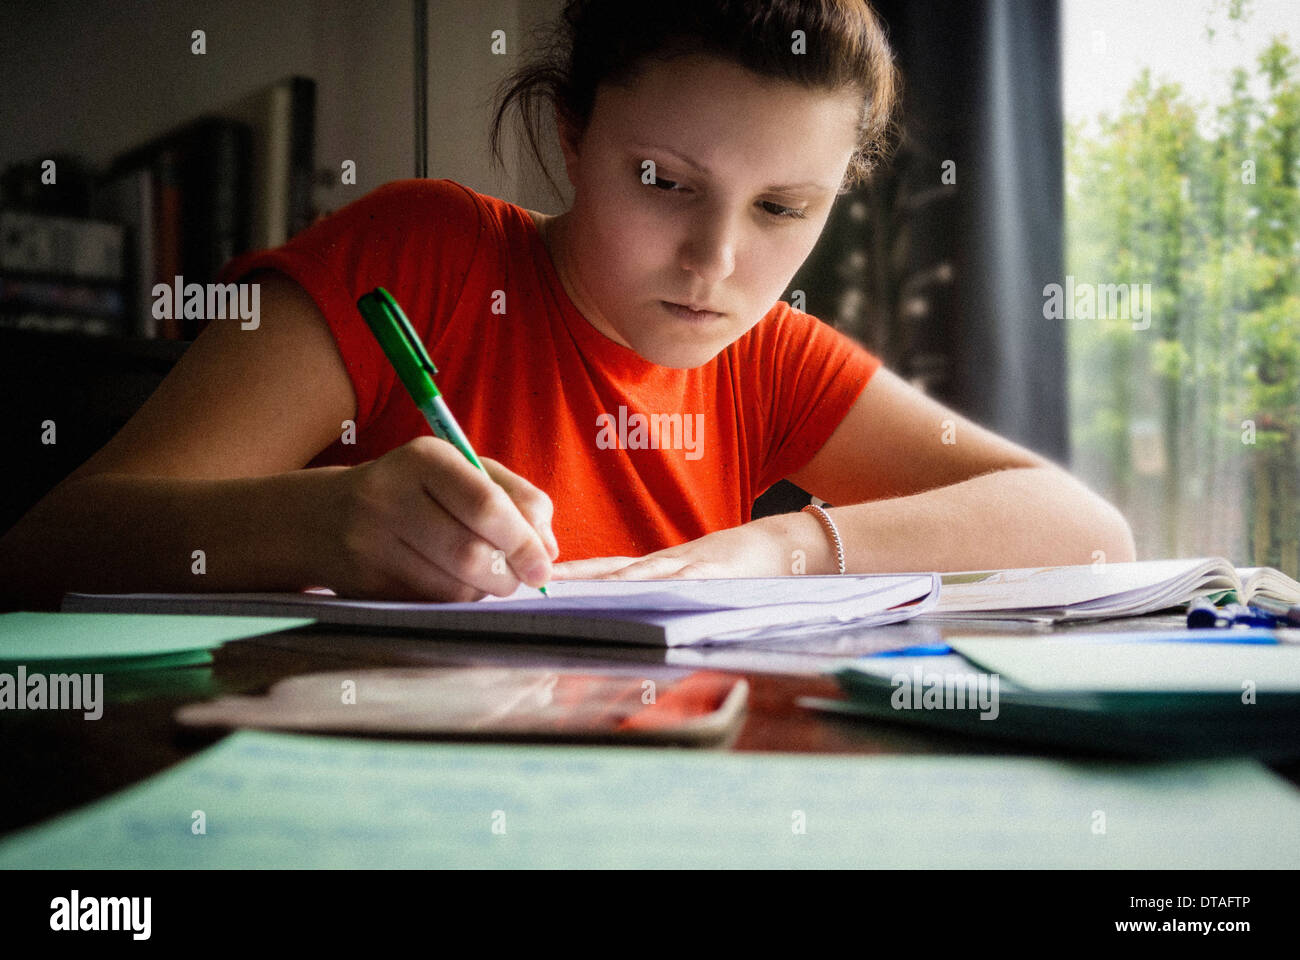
x=111 y=642
x=1102 y=694
x=274 y=800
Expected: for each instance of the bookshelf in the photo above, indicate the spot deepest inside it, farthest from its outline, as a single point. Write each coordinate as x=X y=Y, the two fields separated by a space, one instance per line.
x=88 y=386
x=236 y=178
x=78 y=263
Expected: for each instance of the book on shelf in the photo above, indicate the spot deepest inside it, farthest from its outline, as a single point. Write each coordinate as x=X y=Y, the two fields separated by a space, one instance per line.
x=128 y=199
x=282 y=118
x=167 y=228
x=61 y=274
x=184 y=197
x=237 y=178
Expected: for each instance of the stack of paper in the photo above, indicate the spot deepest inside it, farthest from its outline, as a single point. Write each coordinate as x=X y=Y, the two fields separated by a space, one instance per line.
x=1103 y=590
x=1188 y=661
x=1267 y=582
x=654 y=612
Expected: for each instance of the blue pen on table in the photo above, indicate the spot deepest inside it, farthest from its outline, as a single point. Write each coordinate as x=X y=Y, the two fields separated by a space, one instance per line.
x=1263 y=635
x=922 y=650
x=1203 y=614
x=1285 y=612
x=1252 y=635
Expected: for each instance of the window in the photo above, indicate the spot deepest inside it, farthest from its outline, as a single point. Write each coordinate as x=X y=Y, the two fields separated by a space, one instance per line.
x=1182 y=294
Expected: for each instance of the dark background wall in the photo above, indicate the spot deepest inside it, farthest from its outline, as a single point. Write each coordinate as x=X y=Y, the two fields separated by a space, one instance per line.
x=943 y=281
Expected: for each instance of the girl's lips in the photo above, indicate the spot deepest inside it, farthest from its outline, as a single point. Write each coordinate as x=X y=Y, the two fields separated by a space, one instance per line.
x=686 y=313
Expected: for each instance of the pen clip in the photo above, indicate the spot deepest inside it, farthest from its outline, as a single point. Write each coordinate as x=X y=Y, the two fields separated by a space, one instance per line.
x=403 y=325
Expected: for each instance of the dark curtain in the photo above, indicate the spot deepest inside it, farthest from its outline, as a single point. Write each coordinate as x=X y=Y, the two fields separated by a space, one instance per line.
x=942 y=276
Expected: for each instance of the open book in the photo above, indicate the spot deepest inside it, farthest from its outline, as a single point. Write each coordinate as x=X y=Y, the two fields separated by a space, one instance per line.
x=1104 y=590
x=667 y=613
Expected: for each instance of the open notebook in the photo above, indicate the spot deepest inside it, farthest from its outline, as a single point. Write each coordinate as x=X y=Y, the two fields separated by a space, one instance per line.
x=667 y=613
x=1101 y=591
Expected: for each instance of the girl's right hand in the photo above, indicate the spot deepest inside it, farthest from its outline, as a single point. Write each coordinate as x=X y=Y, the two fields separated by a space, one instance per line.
x=423 y=523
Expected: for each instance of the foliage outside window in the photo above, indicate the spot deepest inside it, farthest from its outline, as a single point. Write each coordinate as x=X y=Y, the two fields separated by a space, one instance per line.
x=1182 y=304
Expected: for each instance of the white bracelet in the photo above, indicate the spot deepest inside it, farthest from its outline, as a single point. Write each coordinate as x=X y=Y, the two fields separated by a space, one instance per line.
x=829 y=524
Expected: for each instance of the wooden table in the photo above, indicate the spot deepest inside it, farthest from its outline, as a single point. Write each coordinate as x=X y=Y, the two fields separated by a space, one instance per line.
x=55 y=761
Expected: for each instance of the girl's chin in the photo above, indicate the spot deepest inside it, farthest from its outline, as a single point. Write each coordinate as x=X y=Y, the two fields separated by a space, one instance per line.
x=677 y=355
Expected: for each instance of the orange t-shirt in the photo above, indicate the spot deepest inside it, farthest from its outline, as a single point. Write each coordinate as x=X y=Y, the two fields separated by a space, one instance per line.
x=635 y=456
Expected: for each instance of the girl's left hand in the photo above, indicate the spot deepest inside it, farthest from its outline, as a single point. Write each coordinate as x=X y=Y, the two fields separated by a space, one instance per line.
x=750 y=550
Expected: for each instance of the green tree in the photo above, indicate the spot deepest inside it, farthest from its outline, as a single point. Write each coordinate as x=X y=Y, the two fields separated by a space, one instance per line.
x=1192 y=425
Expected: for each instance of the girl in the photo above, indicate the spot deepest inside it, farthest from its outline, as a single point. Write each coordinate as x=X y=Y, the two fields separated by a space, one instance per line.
x=624 y=368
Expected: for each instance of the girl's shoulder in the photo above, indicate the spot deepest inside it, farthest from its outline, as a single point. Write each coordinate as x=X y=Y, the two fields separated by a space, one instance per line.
x=401 y=234
x=781 y=329
x=422 y=202
x=790 y=345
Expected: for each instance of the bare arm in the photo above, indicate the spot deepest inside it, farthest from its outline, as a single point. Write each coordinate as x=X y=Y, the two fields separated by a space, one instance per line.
x=213 y=462
x=1014 y=517
x=919 y=487
x=210 y=462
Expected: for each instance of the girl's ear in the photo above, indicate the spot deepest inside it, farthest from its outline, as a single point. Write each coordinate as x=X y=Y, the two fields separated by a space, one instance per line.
x=570 y=139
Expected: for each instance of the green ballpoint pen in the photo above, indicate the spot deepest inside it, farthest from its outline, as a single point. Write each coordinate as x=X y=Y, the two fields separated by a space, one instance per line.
x=414 y=368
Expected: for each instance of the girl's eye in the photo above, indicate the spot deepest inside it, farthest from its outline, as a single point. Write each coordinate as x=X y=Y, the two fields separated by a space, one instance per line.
x=660 y=181
x=775 y=210
x=783 y=213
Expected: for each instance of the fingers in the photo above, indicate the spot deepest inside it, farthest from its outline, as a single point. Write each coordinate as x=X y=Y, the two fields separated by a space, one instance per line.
x=643 y=568
x=487 y=512
x=434 y=546
x=418 y=577
x=533 y=503
x=592 y=568
x=382 y=512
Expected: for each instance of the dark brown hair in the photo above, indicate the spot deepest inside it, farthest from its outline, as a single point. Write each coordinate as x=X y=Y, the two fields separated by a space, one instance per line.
x=608 y=41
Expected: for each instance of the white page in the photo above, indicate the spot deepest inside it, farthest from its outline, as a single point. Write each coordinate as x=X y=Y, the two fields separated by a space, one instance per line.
x=702 y=594
x=1098 y=663
x=656 y=612
x=1063 y=586
x=591 y=596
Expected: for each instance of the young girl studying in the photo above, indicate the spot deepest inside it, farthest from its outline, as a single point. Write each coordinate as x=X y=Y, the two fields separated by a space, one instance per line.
x=624 y=369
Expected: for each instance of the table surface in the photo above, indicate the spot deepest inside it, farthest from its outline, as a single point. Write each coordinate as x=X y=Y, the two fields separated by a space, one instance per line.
x=55 y=760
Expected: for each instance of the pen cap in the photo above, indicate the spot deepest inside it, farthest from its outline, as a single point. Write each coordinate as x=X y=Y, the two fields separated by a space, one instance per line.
x=398 y=340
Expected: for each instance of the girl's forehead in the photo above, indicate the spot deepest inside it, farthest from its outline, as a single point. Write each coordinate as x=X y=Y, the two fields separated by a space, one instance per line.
x=725 y=95
x=696 y=119
x=716 y=77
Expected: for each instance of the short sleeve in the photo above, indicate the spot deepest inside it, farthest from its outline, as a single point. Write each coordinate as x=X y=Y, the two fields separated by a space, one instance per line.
x=814 y=375
x=415 y=238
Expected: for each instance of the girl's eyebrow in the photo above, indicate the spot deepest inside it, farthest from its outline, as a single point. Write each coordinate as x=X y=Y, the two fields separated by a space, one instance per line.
x=776 y=187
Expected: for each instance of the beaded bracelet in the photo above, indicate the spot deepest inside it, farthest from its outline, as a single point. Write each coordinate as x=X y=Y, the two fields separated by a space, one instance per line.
x=829 y=524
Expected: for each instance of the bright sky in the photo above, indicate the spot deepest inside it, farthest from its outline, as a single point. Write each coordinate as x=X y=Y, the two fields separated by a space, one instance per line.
x=1107 y=42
